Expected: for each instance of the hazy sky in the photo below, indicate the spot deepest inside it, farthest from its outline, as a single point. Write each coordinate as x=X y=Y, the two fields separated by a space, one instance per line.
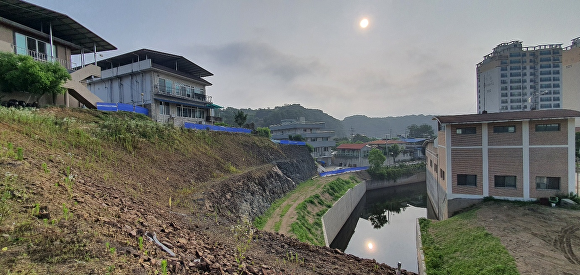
x=415 y=57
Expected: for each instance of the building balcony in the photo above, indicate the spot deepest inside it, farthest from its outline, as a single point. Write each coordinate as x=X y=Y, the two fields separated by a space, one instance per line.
x=182 y=94
x=40 y=56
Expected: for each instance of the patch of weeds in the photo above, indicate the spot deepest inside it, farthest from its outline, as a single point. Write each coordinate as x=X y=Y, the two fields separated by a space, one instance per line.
x=19 y=153
x=243 y=234
x=140 y=242
x=66 y=212
x=164 y=267
x=45 y=168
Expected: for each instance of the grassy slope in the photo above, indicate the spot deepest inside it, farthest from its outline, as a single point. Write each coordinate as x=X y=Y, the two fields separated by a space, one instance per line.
x=459 y=246
x=80 y=167
x=308 y=210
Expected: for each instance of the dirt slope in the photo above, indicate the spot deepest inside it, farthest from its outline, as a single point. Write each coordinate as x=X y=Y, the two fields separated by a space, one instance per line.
x=82 y=192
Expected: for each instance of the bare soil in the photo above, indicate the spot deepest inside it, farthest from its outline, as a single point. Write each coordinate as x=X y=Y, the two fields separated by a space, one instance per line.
x=93 y=223
x=542 y=239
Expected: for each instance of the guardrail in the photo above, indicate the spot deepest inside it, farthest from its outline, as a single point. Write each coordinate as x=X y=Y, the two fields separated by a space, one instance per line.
x=344 y=170
x=115 y=107
x=196 y=126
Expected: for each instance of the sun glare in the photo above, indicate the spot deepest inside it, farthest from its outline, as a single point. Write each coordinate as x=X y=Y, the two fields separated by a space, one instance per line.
x=364 y=23
x=370 y=245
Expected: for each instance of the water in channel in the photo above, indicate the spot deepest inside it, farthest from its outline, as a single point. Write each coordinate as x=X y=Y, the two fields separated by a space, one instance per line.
x=382 y=226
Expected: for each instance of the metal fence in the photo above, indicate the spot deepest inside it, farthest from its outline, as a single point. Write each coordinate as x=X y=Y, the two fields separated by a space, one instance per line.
x=115 y=107
x=196 y=126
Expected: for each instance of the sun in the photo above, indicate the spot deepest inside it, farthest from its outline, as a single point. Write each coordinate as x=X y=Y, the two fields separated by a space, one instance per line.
x=370 y=245
x=364 y=23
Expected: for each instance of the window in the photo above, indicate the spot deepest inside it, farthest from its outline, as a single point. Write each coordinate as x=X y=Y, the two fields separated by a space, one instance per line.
x=442 y=173
x=469 y=180
x=548 y=127
x=516 y=74
x=503 y=75
x=435 y=168
x=546 y=106
x=545 y=59
x=162 y=85
x=515 y=107
x=515 y=61
x=431 y=163
x=516 y=80
x=545 y=72
x=504 y=101
x=546 y=52
x=515 y=68
x=503 y=69
x=505 y=181
x=556 y=71
x=516 y=100
x=39 y=50
x=552 y=183
x=545 y=66
x=466 y=131
x=163 y=108
x=504 y=129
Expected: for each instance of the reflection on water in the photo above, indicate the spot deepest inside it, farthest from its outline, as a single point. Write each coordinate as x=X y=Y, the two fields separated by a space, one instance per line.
x=382 y=226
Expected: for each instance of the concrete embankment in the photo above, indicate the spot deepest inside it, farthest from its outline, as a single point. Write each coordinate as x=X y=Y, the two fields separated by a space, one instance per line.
x=336 y=216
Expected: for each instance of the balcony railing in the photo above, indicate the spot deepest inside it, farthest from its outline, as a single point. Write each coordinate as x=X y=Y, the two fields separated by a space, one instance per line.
x=171 y=91
x=38 y=56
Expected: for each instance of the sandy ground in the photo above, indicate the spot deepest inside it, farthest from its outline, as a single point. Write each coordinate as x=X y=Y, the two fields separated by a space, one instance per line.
x=543 y=240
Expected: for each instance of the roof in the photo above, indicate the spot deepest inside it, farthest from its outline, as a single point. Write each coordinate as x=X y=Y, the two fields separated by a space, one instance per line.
x=167 y=60
x=63 y=26
x=352 y=146
x=508 y=116
x=377 y=142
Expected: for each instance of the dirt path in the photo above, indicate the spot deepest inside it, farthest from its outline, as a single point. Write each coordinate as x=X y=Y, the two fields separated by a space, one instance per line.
x=543 y=240
x=293 y=200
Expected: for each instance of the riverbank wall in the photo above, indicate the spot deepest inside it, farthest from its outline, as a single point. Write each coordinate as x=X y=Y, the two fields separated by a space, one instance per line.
x=338 y=214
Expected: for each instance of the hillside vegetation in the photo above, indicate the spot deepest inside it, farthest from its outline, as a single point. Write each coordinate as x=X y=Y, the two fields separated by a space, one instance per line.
x=85 y=192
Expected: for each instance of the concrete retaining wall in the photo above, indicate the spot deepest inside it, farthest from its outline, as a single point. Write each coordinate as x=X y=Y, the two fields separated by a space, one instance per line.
x=420 y=255
x=376 y=184
x=336 y=216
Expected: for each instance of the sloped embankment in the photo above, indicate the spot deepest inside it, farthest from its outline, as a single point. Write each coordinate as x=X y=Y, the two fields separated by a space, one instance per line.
x=82 y=192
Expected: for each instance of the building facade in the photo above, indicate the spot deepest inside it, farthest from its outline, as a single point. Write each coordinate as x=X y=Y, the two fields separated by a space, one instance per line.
x=171 y=87
x=510 y=155
x=517 y=78
x=314 y=133
x=571 y=76
x=50 y=36
x=352 y=155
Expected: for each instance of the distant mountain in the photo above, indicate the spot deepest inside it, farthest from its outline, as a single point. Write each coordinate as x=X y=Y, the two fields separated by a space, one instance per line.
x=267 y=117
x=381 y=127
x=359 y=124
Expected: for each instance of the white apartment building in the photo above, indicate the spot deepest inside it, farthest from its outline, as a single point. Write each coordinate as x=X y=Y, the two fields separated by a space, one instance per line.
x=518 y=78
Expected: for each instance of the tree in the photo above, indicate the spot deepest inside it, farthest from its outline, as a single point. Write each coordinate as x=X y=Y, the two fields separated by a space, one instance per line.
x=358 y=138
x=296 y=137
x=240 y=118
x=264 y=132
x=20 y=73
x=425 y=130
x=395 y=150
x=376 y=159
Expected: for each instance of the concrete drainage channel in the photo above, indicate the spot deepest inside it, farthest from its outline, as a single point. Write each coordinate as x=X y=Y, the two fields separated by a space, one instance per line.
x=334 y=219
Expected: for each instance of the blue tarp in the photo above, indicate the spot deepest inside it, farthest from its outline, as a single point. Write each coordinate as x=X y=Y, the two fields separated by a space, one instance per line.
x=115 y=107
x=413 y=140
x=196 y=126
x=289 y=142
x=344 y=170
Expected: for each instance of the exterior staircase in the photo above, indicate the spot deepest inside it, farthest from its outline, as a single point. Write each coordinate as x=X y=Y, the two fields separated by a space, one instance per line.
x=78 y=90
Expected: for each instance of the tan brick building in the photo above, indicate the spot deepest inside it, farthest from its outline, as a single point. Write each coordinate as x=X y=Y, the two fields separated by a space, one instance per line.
x=509 y=155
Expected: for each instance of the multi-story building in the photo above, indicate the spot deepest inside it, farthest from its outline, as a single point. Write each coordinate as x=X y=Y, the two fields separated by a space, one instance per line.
x=171 y=87
x=50 y=36
x=508 y=155
x=571 y=76
x=314 y=134
x=352 y=154
x=517 y=78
